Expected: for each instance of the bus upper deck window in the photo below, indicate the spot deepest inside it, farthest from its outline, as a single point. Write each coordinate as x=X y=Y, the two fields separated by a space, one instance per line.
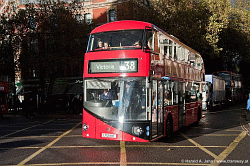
x=116 y=40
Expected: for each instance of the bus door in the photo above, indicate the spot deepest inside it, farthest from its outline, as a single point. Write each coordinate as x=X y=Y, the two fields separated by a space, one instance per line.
x=181 y=103
x=157 y=108
x=205 y=95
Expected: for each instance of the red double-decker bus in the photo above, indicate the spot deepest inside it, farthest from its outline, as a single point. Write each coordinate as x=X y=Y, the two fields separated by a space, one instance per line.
x=140 y=83
x=4 y=92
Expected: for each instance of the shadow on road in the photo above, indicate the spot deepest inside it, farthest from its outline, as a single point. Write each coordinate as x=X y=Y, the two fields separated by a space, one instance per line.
x=216 y=121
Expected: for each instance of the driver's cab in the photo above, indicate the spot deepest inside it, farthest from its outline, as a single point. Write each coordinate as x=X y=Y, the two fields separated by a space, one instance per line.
x=112 y=98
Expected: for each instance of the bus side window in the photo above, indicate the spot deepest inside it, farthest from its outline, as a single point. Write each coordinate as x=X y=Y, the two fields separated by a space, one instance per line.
x=175 y=52
x=188 y=92
x=168 y=93
x=154 y=100
x=148 y=103
x=175 y=96
x=149 y=40
x=170 y=49
x=193 y=94
x=156 y=42
x=160 y=94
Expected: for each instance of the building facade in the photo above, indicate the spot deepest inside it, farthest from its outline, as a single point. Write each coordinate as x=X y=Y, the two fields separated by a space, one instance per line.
x=29 y=81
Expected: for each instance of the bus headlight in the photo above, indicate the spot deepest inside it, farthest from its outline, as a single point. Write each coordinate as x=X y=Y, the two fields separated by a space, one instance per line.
x=137 y=130
x=85 y=127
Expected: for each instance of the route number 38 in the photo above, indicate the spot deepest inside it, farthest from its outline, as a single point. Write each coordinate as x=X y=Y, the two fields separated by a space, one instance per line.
x=130 y=65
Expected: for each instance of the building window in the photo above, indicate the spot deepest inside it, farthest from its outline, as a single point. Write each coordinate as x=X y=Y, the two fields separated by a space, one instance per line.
x=34 y=44
x=34 y=73
x=79 y=18
x=88 y=18
x=66 y=1
x=24 y=2
x=112 y=15
x=32 y=22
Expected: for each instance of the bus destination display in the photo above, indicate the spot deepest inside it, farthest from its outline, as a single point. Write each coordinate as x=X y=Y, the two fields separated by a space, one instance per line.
x=114 y=66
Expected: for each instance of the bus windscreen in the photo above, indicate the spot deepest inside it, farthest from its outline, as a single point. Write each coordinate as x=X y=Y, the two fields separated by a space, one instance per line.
x=116 y=40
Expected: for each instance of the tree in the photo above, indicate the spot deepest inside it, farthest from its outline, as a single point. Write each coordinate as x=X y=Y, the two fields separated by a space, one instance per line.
x=6 y=49
x=235 y=41
x=220 y=10
x=53 y=42
x=241 y=15
x=184 y=19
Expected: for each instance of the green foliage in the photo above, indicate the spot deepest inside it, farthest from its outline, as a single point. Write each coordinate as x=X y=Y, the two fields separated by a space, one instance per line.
x=57 y=37
x=218 y=20
x=203 y=26
x=184 y=19
x=49 y=41
x=218 y=29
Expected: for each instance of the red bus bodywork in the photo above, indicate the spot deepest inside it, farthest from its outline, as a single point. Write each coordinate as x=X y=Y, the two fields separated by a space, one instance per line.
x=4 y=91
x=98 y=128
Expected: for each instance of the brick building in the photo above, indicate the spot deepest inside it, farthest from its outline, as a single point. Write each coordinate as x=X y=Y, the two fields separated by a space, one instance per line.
x=92 y=12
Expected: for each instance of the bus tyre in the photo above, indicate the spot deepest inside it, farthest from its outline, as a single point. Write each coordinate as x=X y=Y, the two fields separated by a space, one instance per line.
x=198 y=117
x=210 y=104
x=169 y=127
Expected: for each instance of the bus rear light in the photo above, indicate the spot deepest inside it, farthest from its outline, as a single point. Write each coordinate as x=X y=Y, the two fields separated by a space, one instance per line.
x=85 y=127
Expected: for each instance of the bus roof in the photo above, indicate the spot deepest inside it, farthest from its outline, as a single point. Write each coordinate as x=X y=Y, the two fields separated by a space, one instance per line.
x=133 y=24
x=121 y=25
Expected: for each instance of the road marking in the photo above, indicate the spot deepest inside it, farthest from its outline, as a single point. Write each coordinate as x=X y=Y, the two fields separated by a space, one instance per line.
x=213 y=135
x=152 y=163
x=47 y=146
x=245 y=129
x=114 y=146
x=233 y=130
x=199 y=146
x=207 y=128
x=19 y=124
x=171 y=146
x=229 y=149
x=123 y=157
x=25 y=129
x=43 y=136
x=87 y=146
x=113 y=163
x=80 y=163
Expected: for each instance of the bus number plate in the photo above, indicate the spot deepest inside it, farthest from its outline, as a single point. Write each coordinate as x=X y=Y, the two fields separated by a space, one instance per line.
x=106 y=135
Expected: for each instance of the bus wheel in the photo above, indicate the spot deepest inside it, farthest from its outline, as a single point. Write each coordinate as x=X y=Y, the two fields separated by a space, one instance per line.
x=169 y=127
x=198 y=117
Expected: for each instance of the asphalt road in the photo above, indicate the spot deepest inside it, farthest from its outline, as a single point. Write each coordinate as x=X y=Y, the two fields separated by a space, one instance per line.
x=221 y=138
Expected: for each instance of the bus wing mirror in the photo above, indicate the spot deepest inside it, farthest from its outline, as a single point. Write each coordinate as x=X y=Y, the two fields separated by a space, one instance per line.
x=146 y=49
